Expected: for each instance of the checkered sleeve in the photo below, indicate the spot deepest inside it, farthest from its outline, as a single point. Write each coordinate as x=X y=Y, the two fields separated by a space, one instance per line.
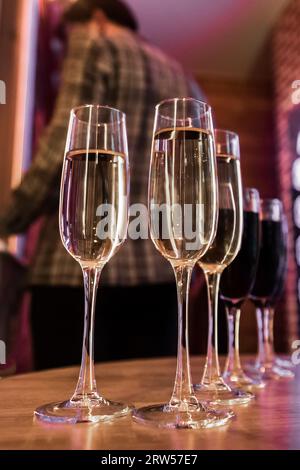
x=80 y=77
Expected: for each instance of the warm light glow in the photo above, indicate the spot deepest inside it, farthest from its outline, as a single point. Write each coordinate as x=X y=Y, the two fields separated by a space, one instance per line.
x=25 y=79
x=297 y=211
x=27 y=28
x=296 y=174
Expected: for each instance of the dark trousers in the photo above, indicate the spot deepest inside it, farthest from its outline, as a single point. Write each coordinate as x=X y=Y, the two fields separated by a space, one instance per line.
x=131 y=322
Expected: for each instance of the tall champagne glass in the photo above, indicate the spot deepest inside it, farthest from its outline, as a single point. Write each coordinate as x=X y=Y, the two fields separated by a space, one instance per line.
x=271 y=304
x=271 y=268
x=182 y=213
x=221 y=253
x=93 y=220
x=236 y=283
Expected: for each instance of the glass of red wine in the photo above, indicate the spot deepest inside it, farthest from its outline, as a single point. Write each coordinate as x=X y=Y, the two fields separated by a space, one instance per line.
x=236 y=283
x=279 y=361
x=269 y=278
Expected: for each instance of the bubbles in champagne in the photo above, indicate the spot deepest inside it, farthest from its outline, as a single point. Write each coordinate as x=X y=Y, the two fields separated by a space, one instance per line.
x=181 y=199
x=94 y=211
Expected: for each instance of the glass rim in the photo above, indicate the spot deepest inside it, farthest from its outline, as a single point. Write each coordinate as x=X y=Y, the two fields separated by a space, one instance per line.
x=233 y=137
x=184 y=99
x=251 y=190
x=271 y=209
x=270 y=200
x=226 y=131
x=251 y=196
x=100 y=106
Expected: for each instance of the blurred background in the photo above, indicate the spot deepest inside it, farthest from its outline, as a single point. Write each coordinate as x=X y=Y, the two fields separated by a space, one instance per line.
x=245 y=55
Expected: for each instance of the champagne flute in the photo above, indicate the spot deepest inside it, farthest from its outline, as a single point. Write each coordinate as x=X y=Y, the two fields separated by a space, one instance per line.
x=236 y=283
x=271 y=268
x=93 y=220
x=182 y=219
x=221 y=253
x=271 y=304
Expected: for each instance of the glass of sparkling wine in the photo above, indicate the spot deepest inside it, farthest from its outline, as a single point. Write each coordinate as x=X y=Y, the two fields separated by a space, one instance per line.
x=93 y=220
x=221 y=253
x=182 y=219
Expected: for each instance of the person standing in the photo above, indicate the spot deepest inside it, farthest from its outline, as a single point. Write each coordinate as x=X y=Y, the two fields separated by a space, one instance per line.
x=107 y=63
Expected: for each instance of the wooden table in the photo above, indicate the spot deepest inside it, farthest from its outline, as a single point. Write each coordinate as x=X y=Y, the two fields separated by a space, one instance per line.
x=272 y=422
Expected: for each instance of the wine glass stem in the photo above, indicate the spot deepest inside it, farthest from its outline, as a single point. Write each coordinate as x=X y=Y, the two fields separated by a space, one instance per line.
x=183 y=393
x=233 y=363
x=271 y=330
x=260 y=343
x=268 y=317
x=86 y=386
x=212 y=367
x=265 y=318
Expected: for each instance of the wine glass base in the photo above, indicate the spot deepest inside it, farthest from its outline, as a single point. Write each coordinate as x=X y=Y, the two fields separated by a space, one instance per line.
x=89 y=411
x=195 y=417
x=271 y=373
x=244 y=382
x=284 y=363
x=222 y=395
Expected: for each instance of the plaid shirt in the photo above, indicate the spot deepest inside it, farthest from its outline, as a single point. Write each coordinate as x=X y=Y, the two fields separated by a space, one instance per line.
x=122 y=71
